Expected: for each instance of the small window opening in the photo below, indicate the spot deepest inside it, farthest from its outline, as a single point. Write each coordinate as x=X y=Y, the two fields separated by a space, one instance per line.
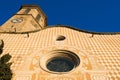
x=38 y=17
x=60 y=38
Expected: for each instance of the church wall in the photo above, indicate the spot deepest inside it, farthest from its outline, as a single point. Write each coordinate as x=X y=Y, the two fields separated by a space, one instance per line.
x=96 y=53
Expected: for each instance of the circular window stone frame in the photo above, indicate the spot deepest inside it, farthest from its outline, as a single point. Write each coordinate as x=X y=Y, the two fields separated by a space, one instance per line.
x=45 y=59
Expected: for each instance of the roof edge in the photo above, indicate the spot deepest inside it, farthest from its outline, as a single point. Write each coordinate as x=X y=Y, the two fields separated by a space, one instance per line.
x=29 y=5
x=66 y=26
x=85 y=31
x=35 y=5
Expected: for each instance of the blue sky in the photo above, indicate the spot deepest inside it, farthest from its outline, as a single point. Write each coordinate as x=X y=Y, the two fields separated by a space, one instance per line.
x=91 y=15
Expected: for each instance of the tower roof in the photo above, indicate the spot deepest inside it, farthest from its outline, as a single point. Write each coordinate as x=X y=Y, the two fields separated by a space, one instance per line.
x=33 y=6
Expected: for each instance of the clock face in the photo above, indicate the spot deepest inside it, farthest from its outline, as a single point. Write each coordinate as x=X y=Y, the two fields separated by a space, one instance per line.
x=17 y=20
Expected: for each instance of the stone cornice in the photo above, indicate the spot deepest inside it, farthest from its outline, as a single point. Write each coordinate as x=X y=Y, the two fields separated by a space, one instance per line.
x=70 y=27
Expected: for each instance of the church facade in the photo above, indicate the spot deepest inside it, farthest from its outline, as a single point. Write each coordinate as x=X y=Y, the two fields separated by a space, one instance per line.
x=59 y=52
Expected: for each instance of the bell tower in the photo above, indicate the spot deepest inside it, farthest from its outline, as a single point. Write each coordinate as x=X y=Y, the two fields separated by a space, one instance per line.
x=29 y=18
